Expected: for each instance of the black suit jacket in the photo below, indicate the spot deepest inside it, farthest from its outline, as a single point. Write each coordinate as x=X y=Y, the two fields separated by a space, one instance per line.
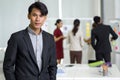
x=100 y=38
x=20 y=61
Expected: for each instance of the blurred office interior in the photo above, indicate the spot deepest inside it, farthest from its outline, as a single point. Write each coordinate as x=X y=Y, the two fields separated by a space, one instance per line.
x=13 y=17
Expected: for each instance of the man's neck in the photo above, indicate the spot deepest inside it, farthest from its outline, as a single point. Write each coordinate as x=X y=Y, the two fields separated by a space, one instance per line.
x=36 y=31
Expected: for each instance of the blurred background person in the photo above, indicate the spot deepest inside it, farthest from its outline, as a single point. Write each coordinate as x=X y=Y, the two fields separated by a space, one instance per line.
x=58 y=37
x=100 y=40
x=75 y=39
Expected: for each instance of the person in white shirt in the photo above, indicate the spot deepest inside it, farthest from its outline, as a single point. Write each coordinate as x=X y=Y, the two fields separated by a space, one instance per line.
x=75 y=39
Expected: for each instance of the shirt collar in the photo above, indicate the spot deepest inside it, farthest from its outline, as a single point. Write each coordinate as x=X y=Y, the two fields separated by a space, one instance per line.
x=32 y=32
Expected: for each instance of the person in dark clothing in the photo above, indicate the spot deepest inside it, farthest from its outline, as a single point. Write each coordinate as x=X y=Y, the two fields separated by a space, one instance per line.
x=100 y=40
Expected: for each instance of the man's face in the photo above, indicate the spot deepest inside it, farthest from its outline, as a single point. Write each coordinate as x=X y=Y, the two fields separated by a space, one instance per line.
x=36 y=19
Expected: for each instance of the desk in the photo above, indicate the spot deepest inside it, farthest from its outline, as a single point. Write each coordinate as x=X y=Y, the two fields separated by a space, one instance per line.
x=84 y=72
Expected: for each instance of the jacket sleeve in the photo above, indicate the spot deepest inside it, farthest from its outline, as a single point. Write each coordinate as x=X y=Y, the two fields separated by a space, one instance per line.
x=114 y=35
x=9 y=59
x=53 y=61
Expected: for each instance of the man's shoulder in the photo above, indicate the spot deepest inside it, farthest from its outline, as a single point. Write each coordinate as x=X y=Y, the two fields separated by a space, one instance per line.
x=19 y=33
x=105 y=25
x=47 y=34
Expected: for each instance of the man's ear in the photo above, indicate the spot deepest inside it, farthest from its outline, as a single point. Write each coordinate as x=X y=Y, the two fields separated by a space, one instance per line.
x=28 y=16
x=45 y=17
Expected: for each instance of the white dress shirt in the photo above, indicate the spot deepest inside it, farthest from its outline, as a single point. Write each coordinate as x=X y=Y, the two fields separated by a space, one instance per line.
x=37 y=43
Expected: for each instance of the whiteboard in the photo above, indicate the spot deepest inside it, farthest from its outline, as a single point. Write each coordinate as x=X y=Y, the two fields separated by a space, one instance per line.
x=115 y=24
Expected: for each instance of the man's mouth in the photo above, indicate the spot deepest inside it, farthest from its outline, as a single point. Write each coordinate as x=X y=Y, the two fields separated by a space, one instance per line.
x=37 y=23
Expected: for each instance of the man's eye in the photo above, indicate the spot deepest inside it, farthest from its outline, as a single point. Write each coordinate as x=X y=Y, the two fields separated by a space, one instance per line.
x=41 y=15
x=34 y=15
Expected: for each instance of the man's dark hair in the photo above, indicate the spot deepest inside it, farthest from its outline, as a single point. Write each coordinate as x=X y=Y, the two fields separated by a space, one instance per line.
x=39 y=5
x=96 y=19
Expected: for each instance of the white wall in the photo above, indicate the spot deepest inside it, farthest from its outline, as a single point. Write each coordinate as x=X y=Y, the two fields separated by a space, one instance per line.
x=13 y=14
x=109 y=10
x=13 y=17
x=80 y=8
x=117 y=8
x=73 y=8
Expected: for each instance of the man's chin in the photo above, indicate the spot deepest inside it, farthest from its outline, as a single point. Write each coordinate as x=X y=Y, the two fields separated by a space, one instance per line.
x=37 y=27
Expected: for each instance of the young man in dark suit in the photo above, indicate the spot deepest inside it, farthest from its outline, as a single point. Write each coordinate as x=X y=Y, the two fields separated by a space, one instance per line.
x=100 y=40
x=30 y=54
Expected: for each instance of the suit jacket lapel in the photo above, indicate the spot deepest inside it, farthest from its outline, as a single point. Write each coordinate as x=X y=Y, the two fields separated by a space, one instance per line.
x=44 y=49
x=29 y=45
